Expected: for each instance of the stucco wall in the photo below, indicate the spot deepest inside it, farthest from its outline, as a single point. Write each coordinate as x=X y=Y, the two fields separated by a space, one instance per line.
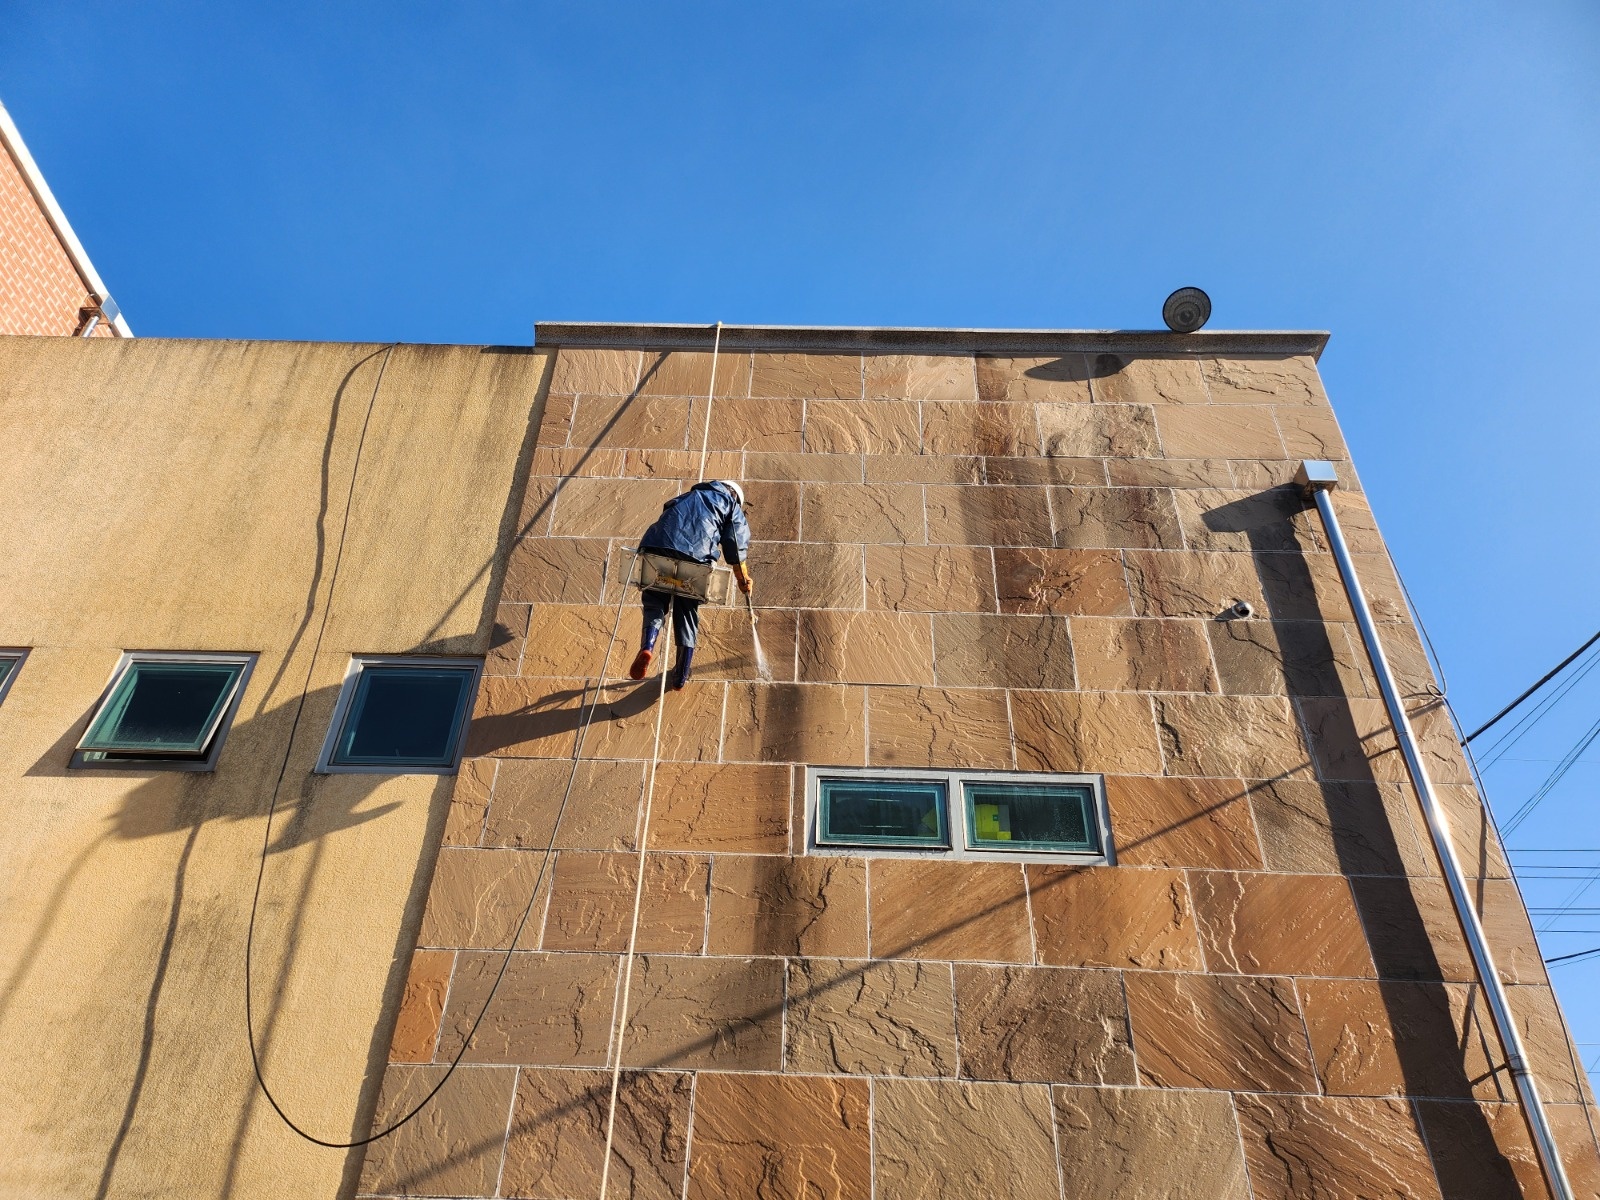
x=1013 y=563
x=206 y=496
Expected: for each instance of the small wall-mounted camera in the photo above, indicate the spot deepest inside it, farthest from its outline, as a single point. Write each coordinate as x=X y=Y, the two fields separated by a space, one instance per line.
x=1241 y=610
x=1186 y=310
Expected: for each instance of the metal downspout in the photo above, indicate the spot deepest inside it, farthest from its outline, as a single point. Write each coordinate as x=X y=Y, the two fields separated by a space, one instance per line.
x=1319 y=479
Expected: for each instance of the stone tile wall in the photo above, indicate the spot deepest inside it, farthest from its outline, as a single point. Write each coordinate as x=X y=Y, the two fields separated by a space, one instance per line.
x=962 y=562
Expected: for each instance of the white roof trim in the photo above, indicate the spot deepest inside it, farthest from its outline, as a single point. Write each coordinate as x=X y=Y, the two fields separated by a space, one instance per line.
x=12 y=137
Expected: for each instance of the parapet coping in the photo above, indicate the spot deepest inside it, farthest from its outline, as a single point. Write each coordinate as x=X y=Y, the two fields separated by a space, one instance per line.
x=1137 y=342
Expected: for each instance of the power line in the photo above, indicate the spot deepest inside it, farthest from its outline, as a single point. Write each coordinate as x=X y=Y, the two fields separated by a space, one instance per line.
x=1543 y=679
x=1523 y=727
x=1575 y=956
x=1556 y=776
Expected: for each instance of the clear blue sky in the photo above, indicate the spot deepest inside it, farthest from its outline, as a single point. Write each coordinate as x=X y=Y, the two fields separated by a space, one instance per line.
x=1423 y=180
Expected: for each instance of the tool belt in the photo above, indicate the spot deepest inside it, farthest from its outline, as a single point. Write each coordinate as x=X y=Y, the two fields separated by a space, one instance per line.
x=706 y=582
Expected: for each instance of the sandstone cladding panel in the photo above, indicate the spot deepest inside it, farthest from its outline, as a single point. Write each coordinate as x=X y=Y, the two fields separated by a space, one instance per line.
x=980 y=561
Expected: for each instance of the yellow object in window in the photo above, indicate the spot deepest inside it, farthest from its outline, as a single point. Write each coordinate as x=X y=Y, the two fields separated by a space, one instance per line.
x=992 y=821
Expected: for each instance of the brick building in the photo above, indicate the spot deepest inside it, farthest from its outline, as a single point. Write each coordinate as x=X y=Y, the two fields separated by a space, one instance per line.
x=47 y=283
x=1039 y=868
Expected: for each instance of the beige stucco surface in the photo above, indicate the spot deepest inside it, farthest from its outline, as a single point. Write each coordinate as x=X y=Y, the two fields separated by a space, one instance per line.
x=208 y=496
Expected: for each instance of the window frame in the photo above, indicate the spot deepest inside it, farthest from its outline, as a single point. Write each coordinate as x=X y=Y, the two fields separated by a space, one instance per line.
x=815 y=801
x=16 y=656
x=961 y=843
x=245 y=660
x=347 y=694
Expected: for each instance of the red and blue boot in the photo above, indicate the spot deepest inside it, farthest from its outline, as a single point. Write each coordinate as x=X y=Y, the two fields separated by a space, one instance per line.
x=647 y=651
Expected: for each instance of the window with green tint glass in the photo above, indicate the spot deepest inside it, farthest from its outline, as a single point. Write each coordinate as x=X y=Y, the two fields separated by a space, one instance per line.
x=403 y=716
x=167 y=708
x=1031 y=816
x=10 y=662
x=882 y=812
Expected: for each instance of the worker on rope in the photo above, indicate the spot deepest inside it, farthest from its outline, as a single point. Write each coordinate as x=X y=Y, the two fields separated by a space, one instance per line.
x=690 y=530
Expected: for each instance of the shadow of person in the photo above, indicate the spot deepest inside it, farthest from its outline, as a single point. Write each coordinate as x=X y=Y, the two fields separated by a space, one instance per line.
x=1431 y=1049
x=560 y=712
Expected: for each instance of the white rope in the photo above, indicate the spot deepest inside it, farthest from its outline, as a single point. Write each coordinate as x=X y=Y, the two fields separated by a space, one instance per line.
x=711 y=390
x=619 y=1008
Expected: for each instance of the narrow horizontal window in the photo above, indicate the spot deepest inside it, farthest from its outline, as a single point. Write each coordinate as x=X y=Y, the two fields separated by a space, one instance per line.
x=1031 y=816
x=402 y=716
x=958 y=814
x=164 y=708
x=883 y=812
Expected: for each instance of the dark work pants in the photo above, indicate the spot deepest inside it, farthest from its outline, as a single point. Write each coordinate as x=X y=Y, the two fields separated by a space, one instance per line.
x=685 y=619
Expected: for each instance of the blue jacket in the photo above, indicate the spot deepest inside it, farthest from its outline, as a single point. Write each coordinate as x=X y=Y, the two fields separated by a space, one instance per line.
x=692 y=526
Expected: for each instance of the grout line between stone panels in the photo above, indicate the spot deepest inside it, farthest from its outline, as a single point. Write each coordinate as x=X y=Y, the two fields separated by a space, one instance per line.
x=444 y=1004
x=1055 y=1141
x=993 y=962
x=1249 y=799
x=488 y=804
x=505 y=1143
x=549 y=894
x=1064 y=1085
x=866 y=875
x=1277 y=428
x=955 y=1023
x=705 y=920
x=866 y=728
x=1305 y=1029
x=872 y=1138
x=1127 y=1016
x=1027 y=908
x=688 y=1134
x=1238 y=1133
x=783 y=1016
x=1011 y=730
x=1200 y=942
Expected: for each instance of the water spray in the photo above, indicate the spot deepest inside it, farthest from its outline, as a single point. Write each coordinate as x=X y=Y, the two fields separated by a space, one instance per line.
x=763 y=667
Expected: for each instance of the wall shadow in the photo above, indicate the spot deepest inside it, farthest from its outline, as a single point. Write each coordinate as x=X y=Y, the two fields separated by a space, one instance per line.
x=310 y=810
x=1411 y=986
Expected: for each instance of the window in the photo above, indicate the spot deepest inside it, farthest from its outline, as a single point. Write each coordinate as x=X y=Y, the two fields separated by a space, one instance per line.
x=165 y=710
x=1031 y=816
x=10 y=664
x=401 y=716
x=958 y=814
x=892 y=812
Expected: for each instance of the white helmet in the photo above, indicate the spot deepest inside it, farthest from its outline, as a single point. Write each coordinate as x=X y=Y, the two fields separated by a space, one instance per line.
x=734 y=488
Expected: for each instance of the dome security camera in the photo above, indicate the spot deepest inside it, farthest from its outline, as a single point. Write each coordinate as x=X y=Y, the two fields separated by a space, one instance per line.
x=1186 y=310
